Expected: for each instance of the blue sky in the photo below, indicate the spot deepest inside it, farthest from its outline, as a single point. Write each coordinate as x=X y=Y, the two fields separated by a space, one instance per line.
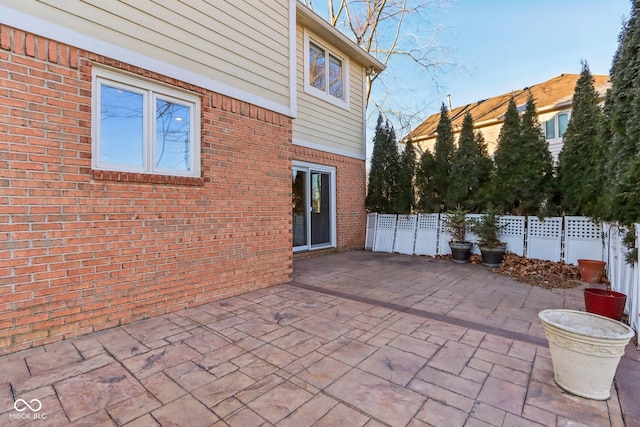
x=502 y=45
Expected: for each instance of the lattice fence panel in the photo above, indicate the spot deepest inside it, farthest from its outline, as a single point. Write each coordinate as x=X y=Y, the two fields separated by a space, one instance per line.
x=427 y=234
x=385 y=233
x=544 y=238
x=471 y=236
x=405 y=234
x=371 y=231
x=582 y=239
x=513 y=233
x=443 y=237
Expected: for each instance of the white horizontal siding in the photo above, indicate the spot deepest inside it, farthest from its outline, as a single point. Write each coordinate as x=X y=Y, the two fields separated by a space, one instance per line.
x=242 y=44
x=323 y=125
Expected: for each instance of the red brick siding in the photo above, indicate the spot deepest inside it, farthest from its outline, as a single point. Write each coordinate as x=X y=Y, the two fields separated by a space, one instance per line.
x=350 y=193
x=84 y=250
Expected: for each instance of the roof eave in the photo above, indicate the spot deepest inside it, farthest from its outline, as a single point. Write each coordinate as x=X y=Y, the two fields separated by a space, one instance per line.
x=309 y=19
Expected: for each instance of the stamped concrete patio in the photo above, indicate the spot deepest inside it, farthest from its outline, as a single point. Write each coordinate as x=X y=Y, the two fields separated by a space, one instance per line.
x=357 y=339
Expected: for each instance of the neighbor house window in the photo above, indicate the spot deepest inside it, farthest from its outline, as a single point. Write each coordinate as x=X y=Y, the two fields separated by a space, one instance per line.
x=556 y=126
x=139 y=126
x=563 y=121
x=325 y=73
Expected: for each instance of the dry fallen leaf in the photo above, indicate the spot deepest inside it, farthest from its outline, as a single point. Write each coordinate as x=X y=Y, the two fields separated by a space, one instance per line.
x=547 y=274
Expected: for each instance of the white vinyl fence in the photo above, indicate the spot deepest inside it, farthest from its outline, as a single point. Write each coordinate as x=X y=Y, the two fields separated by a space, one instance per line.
x=544 y=238
x=556 y=239
x=623 y=277
x=565 y=239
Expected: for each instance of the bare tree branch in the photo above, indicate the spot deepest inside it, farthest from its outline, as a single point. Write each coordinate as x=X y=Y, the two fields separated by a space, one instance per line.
x=400 y=34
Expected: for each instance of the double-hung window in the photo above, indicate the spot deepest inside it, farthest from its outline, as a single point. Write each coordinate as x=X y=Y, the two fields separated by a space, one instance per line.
x=140 y=126
x=325 y=73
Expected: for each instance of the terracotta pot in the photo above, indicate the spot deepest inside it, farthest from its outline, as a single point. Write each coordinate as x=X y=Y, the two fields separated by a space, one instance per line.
x=591 y=270
x=605 y=302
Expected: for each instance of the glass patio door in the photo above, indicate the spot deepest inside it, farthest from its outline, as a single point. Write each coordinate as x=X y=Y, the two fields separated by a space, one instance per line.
x=313 y=189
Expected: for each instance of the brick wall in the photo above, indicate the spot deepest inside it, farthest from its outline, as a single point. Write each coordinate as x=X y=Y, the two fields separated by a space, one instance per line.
x=351 y=215
x=84 y=250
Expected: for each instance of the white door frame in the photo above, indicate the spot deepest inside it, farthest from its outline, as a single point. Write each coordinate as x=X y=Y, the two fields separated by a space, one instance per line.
x=331 y=170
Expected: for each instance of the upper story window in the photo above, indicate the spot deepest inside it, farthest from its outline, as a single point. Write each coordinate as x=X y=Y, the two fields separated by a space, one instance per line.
x=325 y=73
x=556 y=126
x=140 y=126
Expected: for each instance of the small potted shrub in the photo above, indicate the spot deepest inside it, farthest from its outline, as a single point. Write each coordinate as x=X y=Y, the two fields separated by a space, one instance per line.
x=456 y=223
x=487 y=229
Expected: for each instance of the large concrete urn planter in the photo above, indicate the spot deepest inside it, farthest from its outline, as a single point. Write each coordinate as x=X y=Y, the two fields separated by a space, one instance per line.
x=585 y=350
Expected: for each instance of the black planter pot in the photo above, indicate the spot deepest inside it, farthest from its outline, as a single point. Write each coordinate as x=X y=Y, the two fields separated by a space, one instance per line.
x=492 y=257
x=460 y=252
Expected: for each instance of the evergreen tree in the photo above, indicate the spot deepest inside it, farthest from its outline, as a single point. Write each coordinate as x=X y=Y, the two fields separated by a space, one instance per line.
x=536 y=171
x=506 y=161
x=406 y=201
x=524 y=166
x=424 y=184
x=471 y=169
x=382 y=189
x=601 y=210
x=578 y=174
x=624 y=117
x=442 y=155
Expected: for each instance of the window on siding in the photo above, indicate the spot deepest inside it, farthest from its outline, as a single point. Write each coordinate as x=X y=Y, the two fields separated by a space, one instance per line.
x=563 y=120
x=335 y=78
x=550 y=127
x=143 y=127
x=325 y=74
x=556 y=126
x=316 y=67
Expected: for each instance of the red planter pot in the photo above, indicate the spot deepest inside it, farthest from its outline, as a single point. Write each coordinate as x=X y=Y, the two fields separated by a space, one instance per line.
x=605 y=302
x=591 y=270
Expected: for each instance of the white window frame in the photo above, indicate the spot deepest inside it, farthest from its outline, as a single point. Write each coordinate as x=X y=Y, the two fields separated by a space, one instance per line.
x=556 y=125
x=151 y=91
x=324 y=94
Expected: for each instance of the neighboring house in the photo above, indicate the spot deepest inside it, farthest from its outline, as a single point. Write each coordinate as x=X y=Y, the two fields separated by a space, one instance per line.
x=150 y=151
x=553 y=100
